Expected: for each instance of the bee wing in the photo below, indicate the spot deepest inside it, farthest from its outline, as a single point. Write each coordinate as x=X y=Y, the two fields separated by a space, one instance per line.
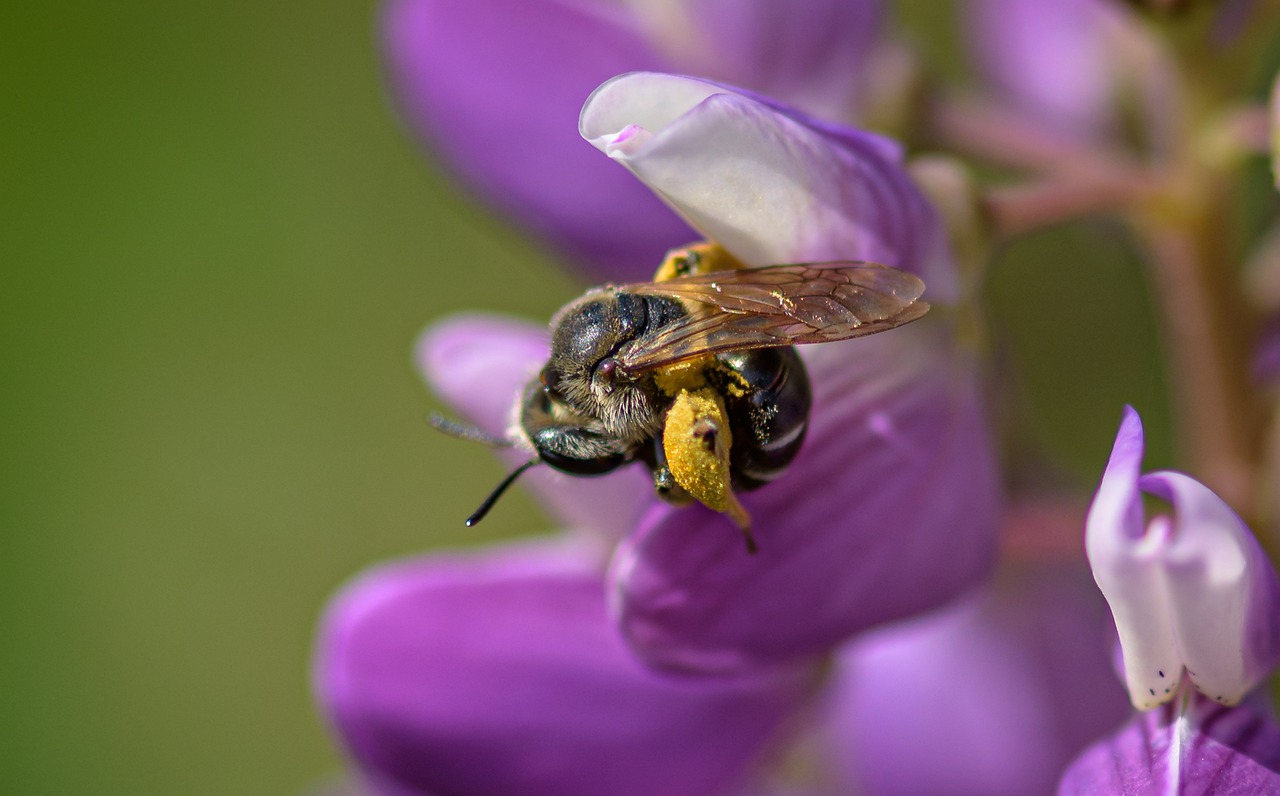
x=774 y=306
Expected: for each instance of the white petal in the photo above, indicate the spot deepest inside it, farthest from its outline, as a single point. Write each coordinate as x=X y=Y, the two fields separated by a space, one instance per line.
x=766 y=182
x=1127 y=567
x=733 y=169
x=1195 y=591
x=645 y=99
x=1210 y=579
x=1130 y=576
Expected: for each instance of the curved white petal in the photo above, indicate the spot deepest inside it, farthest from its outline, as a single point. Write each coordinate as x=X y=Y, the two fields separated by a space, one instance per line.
x=1126 y=567
x=766 y=182
x=1218 y=579
x=1191 y=592
x=1130 y=577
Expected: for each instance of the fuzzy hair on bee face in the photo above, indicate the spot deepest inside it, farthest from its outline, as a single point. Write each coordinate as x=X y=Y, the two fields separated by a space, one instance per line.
x=583 y=375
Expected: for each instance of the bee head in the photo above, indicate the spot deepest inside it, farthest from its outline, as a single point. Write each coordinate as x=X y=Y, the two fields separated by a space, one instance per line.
x=583 y=379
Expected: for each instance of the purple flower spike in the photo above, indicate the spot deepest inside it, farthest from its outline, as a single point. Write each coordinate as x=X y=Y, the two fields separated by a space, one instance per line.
x=1208 y=750
x=494 y=86
x=1190 y=592
x=1197 y=607
x=890 y=509
x=891 y=506
x=768 y=183
x=480 y=365
x=501 y=674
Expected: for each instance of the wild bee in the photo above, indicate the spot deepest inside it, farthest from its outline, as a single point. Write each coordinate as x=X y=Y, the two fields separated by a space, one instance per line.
x=694 y=373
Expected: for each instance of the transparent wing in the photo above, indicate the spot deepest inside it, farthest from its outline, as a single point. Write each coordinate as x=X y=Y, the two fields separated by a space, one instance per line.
x=773 y=306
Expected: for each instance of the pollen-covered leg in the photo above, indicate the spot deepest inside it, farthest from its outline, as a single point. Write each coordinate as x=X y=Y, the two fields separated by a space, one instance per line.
x=697 y=440
x=698 y=258
x=664 y=483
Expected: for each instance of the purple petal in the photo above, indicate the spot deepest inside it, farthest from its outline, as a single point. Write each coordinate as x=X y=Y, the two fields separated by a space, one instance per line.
x=480 y=365
x=1117 y=502
x=771 y=185
x=1193 y=592
x=1210 y=750
x=1050 y=59
x=812 y=53
x=889 y=509
x=495 y=85
x=992 y=696
x=500 y=673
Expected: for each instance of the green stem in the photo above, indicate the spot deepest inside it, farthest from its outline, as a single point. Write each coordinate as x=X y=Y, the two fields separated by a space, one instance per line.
x=1207 y=343
x=1017 y=209
x=1208 y=327
x=991 y=133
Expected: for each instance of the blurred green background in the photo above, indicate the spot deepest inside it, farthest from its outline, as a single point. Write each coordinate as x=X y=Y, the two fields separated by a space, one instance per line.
x=218 y=246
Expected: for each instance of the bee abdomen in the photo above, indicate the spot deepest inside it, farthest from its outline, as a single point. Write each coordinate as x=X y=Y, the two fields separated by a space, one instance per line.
x=768 y=403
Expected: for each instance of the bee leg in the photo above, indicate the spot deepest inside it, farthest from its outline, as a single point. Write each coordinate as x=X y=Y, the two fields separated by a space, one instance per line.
x=696 y=258
x=664 y=483
x=696 y=440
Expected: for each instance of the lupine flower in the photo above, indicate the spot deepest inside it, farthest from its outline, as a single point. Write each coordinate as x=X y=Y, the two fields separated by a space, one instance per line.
x=640 y=649
x=897 y=445
x=889 y=510
x=884 y=722
x=501 y=673
x=494 y=85
x=1197 y=607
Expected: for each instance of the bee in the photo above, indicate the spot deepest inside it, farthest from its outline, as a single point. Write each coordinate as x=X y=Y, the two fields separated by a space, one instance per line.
x=694 y=374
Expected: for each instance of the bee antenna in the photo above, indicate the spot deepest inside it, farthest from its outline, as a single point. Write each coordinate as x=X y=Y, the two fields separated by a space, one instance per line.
x=480 y=513
x=468 y=432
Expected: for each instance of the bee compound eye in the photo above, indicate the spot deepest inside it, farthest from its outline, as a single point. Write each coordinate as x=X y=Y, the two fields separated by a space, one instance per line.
x=606 y=374
x=550 y=379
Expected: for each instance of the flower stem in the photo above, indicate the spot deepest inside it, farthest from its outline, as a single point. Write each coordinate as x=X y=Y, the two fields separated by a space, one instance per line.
x=1001 y=136
x=1206 y=344
x=1016 y=209
x=1078 y=178
x=1247 y=129
x=1208 y=327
